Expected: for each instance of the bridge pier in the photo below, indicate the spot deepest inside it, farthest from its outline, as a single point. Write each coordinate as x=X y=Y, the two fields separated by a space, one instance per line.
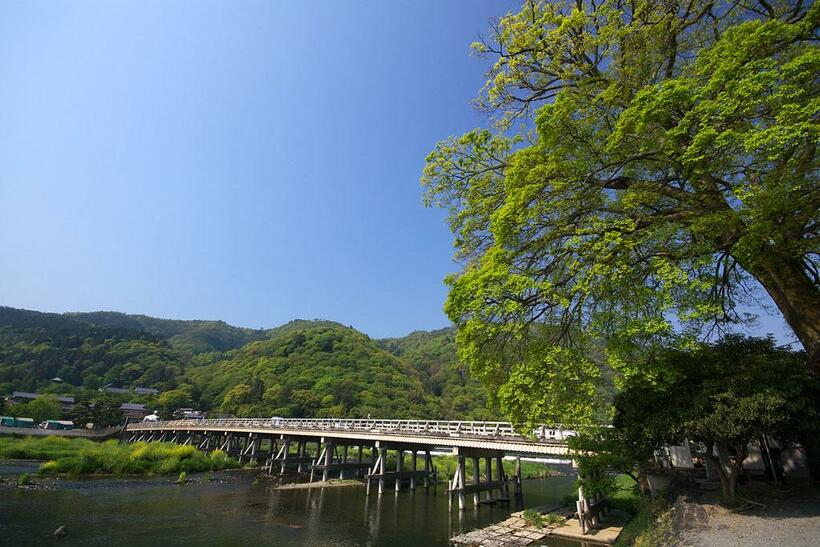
x=459 y=486
x=378 y=471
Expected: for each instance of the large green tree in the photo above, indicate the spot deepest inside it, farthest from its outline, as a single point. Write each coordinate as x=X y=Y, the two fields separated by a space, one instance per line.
x=725 y=395
x=647 y=164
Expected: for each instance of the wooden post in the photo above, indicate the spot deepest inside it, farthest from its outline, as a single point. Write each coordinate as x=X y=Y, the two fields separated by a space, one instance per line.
x=488 y=466
x=300 y=453
x=329 y=448
x=476 y=481
x=413 y=469
x=502 y=476
x=284 y=452
x=462 y=468
x=382 y=462
x=427 y=466
x=519 y=494
x=399 y=464
x=344 y=461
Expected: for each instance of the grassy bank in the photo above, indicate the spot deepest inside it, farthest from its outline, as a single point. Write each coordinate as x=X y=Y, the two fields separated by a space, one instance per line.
x=84 y=457
x=446 y=467
x=650 y=519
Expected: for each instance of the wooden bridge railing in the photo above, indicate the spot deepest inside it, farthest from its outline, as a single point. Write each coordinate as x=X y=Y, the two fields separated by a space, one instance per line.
x=478 y=429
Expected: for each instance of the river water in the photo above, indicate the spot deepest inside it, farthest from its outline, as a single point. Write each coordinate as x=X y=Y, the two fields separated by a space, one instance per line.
x=237 y=512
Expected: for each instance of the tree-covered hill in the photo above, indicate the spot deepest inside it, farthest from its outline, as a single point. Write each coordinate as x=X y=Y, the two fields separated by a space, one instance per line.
x=192 y=336
x=301 y=368
x=36 y=347
x=433 y=355
x=314 y=369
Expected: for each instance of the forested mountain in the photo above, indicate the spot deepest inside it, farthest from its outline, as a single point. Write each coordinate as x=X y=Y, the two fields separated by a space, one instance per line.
x=192 y=336
x=317 y=369
x=433 y=354
x=36 y=347
x=301 y=368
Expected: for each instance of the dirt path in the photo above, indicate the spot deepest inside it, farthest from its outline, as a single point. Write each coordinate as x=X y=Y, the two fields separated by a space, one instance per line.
x=790 y=518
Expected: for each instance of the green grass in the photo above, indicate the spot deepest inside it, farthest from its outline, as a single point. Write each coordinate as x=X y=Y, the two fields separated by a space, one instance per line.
x=40 y=448
x=84 y=457
x=650 y=521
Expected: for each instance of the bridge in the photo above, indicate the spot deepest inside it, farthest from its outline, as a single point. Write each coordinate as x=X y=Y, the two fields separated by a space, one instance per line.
x=362 y=447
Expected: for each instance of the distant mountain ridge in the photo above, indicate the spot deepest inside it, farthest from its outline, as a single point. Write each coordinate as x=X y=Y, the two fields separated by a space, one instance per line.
x=303 y=367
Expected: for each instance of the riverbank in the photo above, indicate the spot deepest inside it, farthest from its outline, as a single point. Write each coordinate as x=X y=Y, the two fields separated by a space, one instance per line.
x=763 y=514
x=61 y=455
x=98 y=434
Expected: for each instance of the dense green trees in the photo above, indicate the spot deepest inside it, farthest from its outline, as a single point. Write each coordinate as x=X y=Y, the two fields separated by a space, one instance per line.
x=302 y=368
x=45 y=407
x=36 y=347
x=433 y=355
x=650 y=163
x=724 y=395
x=320 y=369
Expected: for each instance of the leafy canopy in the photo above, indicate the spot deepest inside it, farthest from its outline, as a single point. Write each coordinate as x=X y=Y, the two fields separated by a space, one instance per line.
x=649 y=164
x=724 y=395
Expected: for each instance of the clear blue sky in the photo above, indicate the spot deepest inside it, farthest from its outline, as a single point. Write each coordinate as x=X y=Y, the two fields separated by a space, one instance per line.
x=251 y=161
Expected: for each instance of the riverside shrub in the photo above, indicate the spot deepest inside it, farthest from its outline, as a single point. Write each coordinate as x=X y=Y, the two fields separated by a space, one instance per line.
x=83 y=457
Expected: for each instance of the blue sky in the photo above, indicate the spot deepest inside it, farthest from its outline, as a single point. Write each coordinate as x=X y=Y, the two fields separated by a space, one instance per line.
x=253 y=162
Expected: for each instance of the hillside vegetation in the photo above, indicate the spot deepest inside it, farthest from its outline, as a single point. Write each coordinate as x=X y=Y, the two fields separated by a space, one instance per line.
x=36 y=347
x=320 y=370
x=301 y=368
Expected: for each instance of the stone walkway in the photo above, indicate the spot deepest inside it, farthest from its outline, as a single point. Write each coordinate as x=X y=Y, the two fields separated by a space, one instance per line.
x=516 y=531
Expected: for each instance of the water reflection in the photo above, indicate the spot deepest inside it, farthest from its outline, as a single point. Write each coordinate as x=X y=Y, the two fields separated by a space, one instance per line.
x=236 y=512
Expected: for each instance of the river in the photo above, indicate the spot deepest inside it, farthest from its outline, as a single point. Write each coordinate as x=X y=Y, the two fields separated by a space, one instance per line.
x=237 y=512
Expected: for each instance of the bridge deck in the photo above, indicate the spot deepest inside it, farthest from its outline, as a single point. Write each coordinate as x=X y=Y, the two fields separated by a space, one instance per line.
x=427 y=433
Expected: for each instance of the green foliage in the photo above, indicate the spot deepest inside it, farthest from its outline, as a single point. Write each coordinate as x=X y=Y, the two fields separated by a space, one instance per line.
x=44 y=407
x=83 y=457
x=533 y=518
x=107 y=412
x=664 y=164
x=182 y=478
x=35 y=347
x=39 y=448
x=316 y=370
x=651 y=524
x=433 y=355
x=303 y=368
x=24 y=479
x=724 y=395
x=169 y=401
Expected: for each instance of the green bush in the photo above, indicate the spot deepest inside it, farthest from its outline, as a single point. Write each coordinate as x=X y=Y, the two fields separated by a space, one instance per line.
x=82 y=457
x=533 y=518
x=24 y=479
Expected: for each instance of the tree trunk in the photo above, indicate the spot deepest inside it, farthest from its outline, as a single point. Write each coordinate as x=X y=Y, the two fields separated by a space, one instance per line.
x=797 y=297
x=727 y=469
